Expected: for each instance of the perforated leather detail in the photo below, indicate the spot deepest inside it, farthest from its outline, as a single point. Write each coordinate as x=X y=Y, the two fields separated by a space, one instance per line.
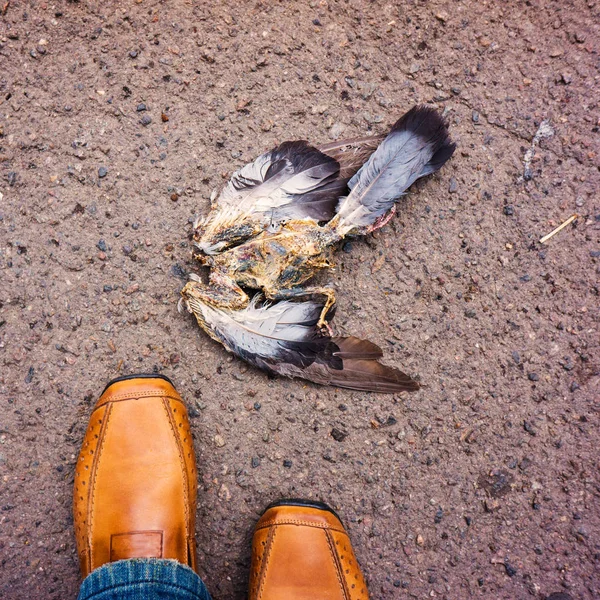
x=184 y=432
x=350 y=569
x=306 y=549
x=84 y=479
x=260 y=550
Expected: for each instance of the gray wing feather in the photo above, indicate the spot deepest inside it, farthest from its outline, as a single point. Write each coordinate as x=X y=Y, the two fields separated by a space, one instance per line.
x=283 y=339
x=417 y=145
x=282 y=181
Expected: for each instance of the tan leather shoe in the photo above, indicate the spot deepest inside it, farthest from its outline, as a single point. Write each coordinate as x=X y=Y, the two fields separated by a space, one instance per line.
x=135 y=480
x=301 y=551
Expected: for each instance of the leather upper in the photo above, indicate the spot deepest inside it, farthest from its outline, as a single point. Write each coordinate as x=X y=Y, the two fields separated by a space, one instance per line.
x=303 y=553
x=135 y=479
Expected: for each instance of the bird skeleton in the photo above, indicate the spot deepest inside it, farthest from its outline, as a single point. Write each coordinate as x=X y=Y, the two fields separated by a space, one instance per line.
x=275 y=225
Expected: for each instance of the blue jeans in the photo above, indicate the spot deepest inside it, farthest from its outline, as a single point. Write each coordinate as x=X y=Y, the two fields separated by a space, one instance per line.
x=143 y=579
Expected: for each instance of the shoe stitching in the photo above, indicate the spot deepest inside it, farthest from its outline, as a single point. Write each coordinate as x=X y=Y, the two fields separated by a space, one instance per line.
x=338 y=565
x=186 y=482
x=92 y=487
x=299 y=522
x=265 y=564
x=141 y=394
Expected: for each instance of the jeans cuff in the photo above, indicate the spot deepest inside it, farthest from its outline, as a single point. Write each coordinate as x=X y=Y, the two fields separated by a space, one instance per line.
x=143 y=579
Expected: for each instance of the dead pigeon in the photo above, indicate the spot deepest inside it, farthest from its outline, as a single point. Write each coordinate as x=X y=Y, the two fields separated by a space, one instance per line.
x=277 y=223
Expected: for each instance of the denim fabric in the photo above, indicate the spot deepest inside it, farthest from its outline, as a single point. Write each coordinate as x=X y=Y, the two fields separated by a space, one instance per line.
x=143 y=579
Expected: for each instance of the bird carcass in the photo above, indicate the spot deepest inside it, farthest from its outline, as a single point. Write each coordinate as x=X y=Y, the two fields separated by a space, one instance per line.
x=277 y=223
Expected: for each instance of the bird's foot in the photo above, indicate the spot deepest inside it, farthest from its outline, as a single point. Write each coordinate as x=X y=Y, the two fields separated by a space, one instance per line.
x=383 y=220
x=325 y=328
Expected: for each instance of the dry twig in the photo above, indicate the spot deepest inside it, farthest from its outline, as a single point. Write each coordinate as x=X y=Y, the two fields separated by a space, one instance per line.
x=559 y=228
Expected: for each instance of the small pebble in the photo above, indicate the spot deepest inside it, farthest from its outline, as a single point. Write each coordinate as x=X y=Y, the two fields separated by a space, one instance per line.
x=509 y=211
x=178 y=271
x=491 y=505
x=336 y=130
x=133 y=53
x=533 y=377
x=453 y=186
x=475 y=116
x=141 y=107
x=102 y=172
x=255 y=462
x=566 y=78
x=101 y=245
x=287 y=464
x=338 y=435
x=146 y=120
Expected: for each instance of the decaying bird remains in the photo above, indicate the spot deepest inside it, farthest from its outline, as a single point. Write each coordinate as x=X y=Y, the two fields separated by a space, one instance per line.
x=276 y=224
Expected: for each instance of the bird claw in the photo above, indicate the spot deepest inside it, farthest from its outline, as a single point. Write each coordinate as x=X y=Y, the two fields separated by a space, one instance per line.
x=324 y=327
x=383 y=220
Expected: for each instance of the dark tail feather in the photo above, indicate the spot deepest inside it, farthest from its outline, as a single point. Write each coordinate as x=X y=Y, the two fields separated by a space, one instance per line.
x=417 y=145
x=359 y=369
x=352 y=347
x=371 y=376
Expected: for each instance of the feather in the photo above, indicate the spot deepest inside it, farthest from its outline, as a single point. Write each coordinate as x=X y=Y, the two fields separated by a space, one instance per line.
x=352 y=154
x=417 y=145
x=363 y=375
x=282 y=332
x=283 y=339
x=351 y=347
x=292 y=181
x=287 y=175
